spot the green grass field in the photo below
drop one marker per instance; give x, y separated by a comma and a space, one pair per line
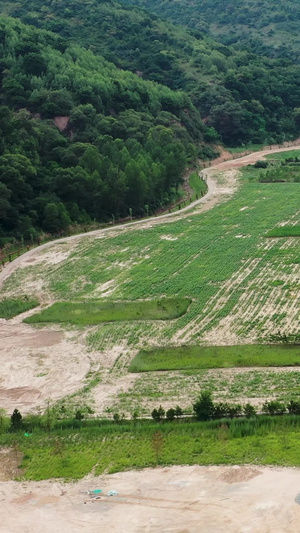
11, 307
198, 357
284, 231
97, 311
72, 454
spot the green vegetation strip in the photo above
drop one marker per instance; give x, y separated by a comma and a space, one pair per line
198, 185
96, 311
284, 231
283, 156
194, 357
73, 453
11, 307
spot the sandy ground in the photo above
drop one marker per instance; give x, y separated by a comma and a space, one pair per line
178, 499
38, 365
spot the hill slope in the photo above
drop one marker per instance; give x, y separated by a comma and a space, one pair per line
243, 96
262, 27
125, 144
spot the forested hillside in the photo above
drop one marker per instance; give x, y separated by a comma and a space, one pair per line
243, 96
125, 144
264, 27
125, 140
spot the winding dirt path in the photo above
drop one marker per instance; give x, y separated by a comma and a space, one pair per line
213, 192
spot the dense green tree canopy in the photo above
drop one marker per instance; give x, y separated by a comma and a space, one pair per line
125, 141
267, 27
243, 96
102, 114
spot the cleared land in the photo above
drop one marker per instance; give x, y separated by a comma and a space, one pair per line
243, 287
97, 311
194, 357
237, 499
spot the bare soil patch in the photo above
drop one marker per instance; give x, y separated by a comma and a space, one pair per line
37, 365
9, 464
238, 474
14, 336
176, 499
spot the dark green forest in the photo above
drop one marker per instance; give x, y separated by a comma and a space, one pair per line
142, 100
245, 97
126, 144
263, 27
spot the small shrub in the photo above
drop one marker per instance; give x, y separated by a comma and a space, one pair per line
293, 407
178, 411
158, 414
170, 414
204, 407
273, 407
16, 420
261, 164
249, 410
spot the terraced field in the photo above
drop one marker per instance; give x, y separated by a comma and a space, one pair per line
243, 285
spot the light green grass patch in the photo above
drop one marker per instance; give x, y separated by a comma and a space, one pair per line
96, 311
247, 147
194, 357
282, 156
11, 307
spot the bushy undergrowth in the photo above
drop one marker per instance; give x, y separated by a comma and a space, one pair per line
111, 447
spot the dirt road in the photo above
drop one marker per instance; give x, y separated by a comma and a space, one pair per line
213, 191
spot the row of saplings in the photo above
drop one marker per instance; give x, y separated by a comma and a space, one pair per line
205, 409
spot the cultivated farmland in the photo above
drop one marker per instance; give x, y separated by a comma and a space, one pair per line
243, 286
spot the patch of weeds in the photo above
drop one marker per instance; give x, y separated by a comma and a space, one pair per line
11, 307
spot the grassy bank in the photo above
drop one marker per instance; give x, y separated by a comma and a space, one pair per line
200, 357
73, 453
198, 186
97, 311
